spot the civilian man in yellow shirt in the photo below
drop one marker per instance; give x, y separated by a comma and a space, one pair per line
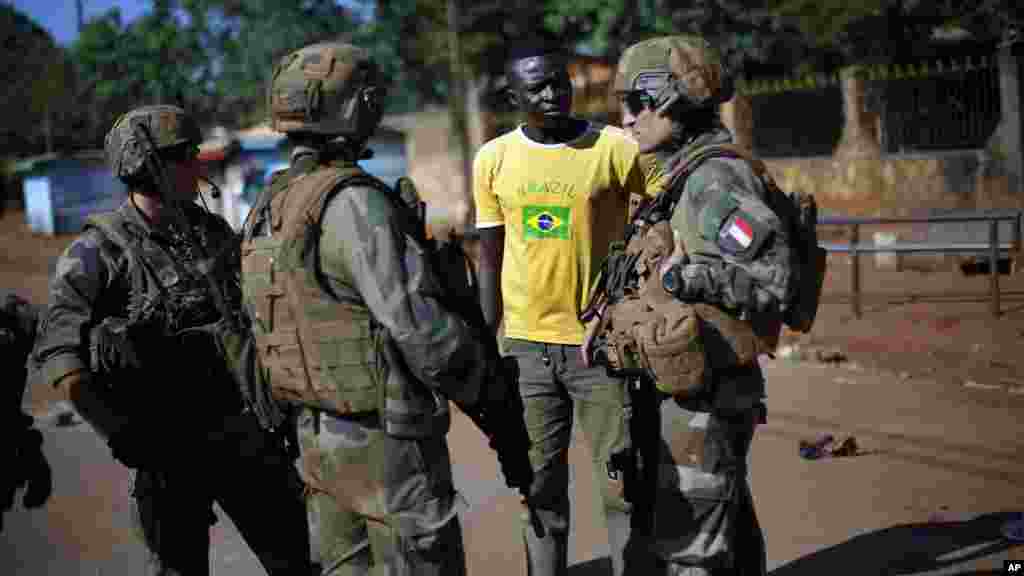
550, 198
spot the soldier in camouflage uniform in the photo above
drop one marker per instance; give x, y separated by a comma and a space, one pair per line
128, 336
736, 259
25, 464
350, 328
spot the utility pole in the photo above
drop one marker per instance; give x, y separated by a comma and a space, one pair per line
457, 97
79, 14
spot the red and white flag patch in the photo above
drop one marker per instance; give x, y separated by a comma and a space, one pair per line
736, 235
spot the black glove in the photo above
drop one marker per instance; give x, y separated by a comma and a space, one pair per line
114, 346
687, 282
28, 469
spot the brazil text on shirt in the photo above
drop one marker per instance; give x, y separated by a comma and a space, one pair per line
551, 187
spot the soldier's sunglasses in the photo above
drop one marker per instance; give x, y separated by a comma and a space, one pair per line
181, 153
637, 101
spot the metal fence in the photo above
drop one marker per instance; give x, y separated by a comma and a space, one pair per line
947, 109
951, 102
993, 248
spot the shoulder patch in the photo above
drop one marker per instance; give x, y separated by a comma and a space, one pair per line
736, 234
714, 213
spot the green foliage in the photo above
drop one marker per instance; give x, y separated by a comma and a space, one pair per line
38, 79
214, 56
826, 21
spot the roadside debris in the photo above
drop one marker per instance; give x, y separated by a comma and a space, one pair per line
830, 356
825, 446
791, 352
797, 353
980, 386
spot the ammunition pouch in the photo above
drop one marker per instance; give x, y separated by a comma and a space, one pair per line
643, 328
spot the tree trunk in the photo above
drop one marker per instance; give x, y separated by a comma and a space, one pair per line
860, 130
738, 117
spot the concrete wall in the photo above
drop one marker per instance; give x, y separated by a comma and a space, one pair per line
895, 185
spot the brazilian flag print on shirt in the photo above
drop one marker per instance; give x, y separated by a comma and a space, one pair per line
542, 222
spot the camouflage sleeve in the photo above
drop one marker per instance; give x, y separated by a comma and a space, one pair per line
363, 241
727, 206
83, 273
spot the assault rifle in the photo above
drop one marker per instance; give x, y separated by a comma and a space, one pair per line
500, 421
231, 335
639, 462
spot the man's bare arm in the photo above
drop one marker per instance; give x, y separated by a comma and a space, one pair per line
492, 249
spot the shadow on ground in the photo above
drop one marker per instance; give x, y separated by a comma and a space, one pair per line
596, 567
909, 549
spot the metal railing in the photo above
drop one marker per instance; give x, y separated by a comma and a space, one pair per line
993, 247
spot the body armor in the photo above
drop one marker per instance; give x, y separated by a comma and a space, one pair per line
320, 346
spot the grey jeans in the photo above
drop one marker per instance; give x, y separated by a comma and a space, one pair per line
557, 389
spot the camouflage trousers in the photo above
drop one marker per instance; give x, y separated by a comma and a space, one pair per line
379, 505
249, 475
557, 388
704, 519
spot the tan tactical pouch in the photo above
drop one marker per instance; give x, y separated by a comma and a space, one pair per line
650, 329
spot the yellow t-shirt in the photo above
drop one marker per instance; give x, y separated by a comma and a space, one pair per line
561, 205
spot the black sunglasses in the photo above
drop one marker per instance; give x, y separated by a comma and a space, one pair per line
637, 101
181, 153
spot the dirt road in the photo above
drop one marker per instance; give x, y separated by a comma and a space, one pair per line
939, 475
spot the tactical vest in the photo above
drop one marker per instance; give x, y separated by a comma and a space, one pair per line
155, 272
320, 347
643, 330
685, 348
173, 298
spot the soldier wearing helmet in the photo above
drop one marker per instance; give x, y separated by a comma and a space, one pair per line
130, 336
352, 333
731, 253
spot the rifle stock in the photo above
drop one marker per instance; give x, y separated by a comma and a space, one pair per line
639, 462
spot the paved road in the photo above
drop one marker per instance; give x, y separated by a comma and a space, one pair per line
943, 469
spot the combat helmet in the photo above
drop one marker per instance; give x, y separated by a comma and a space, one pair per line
681, 72
144, 131
319, 90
